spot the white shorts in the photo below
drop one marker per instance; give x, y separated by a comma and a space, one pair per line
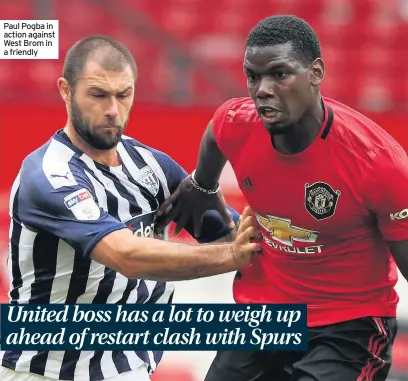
6, 374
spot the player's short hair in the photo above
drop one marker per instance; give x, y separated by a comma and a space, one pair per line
113, 56
281, 29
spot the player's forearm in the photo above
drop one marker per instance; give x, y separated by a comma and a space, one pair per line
148, 258
153, 259
211, 160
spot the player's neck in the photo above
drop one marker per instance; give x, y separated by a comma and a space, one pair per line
104, 157
302, 134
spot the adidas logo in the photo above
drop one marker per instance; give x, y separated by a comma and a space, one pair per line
247, 184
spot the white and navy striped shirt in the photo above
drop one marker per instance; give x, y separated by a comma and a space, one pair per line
62, 203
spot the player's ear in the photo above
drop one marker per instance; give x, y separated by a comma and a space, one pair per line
317, 72
64, 89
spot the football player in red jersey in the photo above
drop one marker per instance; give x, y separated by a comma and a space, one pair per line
328, 187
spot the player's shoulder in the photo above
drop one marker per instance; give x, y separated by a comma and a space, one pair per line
52, 164
141, 148
144, 151
357, 133
155, 161
135, 145
238, 110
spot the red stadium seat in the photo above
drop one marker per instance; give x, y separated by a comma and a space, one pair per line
356, 36
13, 10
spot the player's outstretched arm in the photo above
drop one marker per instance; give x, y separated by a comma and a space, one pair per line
148, 258
197, 193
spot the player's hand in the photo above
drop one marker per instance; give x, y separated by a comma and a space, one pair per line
246, 243
189, 204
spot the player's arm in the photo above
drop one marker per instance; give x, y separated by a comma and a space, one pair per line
387, 197
214, 228
196, 193
148, 258
191, 199
72, 214
211, 160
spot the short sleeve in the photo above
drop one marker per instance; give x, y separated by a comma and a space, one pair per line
387, 193
69, 212
213, 227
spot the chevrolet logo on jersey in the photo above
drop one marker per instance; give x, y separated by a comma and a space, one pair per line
281, 230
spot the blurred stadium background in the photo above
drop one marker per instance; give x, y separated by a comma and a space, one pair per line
189, 54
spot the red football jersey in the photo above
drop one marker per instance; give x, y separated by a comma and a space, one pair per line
325, 213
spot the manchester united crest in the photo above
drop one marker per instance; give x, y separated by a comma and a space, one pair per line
321, 200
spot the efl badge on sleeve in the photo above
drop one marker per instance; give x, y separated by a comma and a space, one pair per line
82, 205
321, 200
